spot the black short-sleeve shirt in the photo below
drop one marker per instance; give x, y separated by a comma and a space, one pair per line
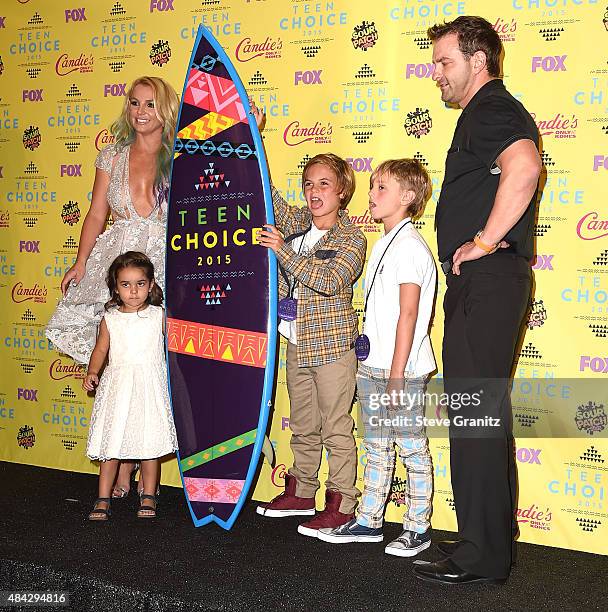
489, 123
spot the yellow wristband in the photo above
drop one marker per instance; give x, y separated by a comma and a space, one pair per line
488, 248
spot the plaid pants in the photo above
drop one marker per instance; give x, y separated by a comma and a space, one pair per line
384, 428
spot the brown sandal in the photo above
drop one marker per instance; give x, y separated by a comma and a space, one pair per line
146, 512
100, 514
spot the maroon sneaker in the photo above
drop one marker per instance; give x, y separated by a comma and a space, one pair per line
287, 503
331, 517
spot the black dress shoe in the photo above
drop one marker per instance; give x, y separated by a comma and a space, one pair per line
447, 572
448, 547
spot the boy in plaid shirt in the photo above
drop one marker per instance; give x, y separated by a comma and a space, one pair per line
320, 258
400, 291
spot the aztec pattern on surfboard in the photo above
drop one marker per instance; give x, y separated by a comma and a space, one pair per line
221, 289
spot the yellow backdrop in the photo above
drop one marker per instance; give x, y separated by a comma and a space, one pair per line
352, 77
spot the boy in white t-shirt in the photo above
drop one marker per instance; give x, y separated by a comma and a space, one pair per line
400, 288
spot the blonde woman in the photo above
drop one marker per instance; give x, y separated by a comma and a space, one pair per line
131, 183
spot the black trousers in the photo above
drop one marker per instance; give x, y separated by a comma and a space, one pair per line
484, 311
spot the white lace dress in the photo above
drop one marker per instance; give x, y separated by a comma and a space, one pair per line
131, 416
73, 327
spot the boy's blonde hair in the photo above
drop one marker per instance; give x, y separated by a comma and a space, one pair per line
411, 175
343, 171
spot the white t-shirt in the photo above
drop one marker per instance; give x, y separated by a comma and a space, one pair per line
408, 260
302, 245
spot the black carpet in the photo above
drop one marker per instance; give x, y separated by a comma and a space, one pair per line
46, 543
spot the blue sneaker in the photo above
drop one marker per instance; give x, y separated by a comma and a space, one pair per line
409, 544
350, 532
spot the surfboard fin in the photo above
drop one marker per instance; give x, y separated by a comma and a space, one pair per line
268, 451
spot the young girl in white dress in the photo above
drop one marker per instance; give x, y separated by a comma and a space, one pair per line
131, 415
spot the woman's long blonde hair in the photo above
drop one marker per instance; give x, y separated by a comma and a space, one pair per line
166, 106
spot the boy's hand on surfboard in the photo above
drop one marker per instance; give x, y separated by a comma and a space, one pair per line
270, 237
260, 117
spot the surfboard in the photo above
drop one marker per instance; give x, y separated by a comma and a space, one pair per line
220, 288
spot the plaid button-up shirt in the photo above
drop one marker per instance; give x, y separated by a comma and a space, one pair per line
326, 324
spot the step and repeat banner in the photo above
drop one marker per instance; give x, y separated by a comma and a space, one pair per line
354, 78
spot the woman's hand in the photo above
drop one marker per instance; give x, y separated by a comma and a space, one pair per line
75, 273
270, 237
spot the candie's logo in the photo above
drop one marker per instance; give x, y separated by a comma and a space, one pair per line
103, 139
59, 370
591, 227
366, 222
295, 134
535, 517
591, 417
247, 49
278, 476
21, 293
505, 29
559, 125
66, 65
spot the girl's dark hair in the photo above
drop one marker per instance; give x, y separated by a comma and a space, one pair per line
132, 259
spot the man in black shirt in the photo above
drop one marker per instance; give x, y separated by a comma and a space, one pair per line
485, 217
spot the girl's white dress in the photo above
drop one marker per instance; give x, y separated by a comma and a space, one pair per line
131, 416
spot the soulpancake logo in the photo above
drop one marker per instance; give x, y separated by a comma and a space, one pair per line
249, 49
